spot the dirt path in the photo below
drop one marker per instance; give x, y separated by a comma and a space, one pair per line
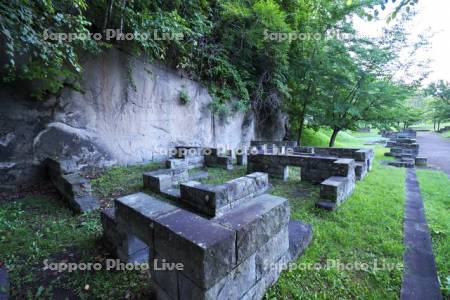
436, 148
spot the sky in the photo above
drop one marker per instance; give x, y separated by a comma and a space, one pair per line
432, 16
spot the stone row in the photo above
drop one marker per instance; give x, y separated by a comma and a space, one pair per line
336, 176
75, 189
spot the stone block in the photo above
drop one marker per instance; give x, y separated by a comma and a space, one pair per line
421, 161
157, 181
232, 286
77, 191
225, 162
214, 200
300, 235
271, 252
127, 247
176, 163
336, 189
255, 222
136, 214
205, 248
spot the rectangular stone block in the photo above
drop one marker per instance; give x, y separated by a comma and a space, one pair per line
271, 252
136, 214
255, 222
157, 181
206, 249
233, 286
214, 200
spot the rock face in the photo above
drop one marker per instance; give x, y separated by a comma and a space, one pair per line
113, 119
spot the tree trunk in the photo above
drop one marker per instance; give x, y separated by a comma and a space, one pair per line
439, 125
434, 125
333, 136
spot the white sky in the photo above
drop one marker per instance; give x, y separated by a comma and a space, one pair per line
432, 15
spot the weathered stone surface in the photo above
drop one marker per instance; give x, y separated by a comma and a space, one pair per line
167, 280
75, 189
136, 214
271, 252
127, 247
214, 200
336, 189
300, 235
232, 286
258, 291
206, 249
255, 222
4, 284
225, 162
164, 179
110, 121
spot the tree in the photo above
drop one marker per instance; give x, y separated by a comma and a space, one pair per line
440, 103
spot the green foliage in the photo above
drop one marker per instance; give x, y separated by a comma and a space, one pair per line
28, 55
184, 97
439, 106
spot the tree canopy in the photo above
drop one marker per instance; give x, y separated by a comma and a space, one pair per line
300, 56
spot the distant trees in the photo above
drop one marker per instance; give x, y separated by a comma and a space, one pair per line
439, 106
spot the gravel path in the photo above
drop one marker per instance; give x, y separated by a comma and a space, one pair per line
436, 148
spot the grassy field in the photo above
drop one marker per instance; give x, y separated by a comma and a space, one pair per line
435, 189
365, 232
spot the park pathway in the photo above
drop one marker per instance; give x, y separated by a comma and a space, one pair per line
420, 279
436, 148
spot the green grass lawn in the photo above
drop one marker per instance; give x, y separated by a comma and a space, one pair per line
366, 229
435, 189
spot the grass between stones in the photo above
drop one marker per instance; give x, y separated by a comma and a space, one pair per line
435, 189
367, 229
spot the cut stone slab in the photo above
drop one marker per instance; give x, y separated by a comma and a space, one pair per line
255, 222
136, 213
75, 189
4, 284
205, 248
300, 235
336, 189
240, 280
214, 200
